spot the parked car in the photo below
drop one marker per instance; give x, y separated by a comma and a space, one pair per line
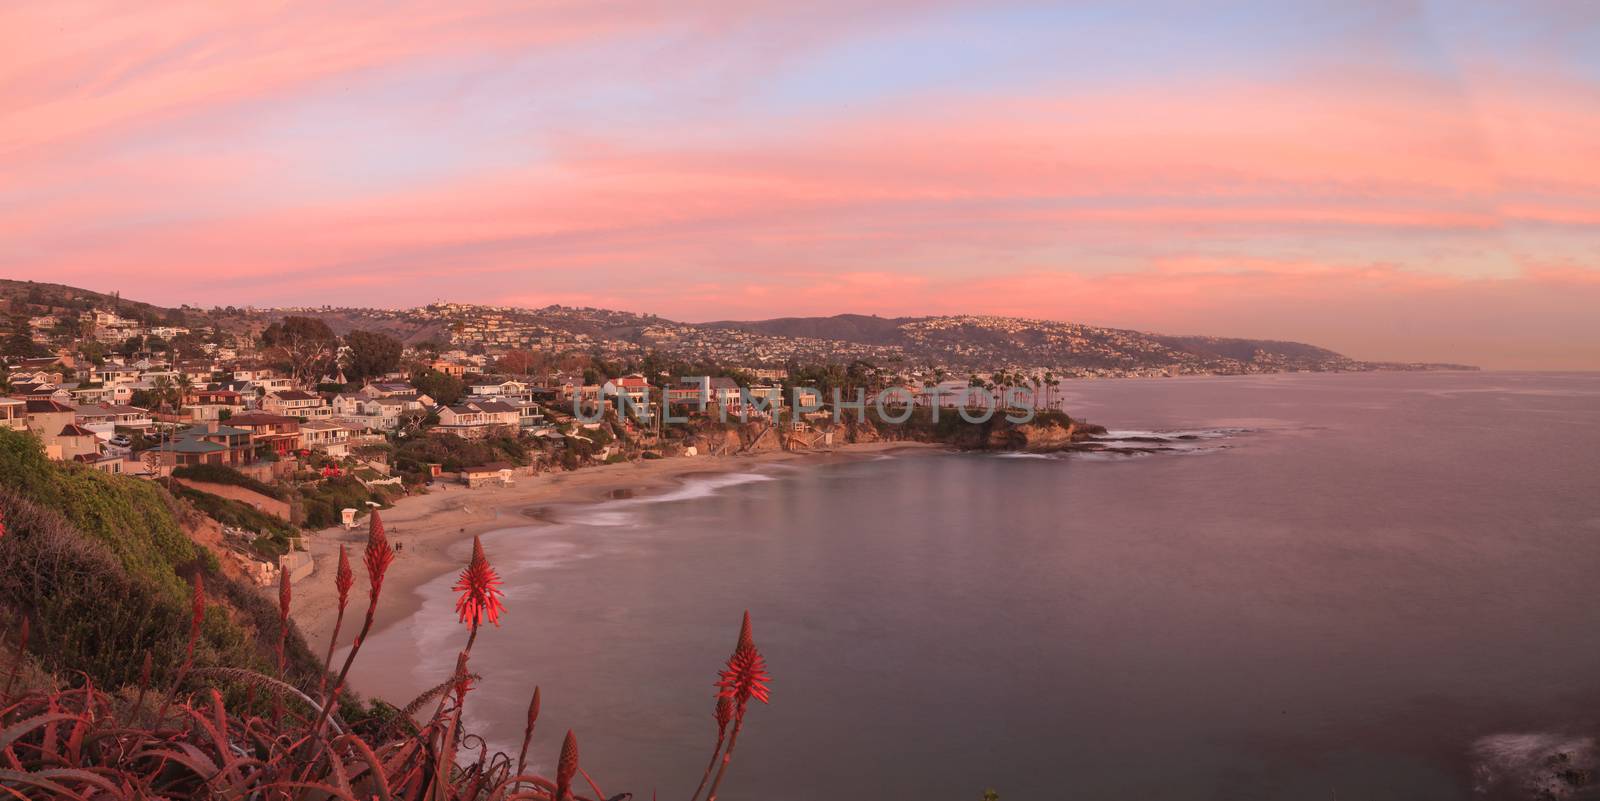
121, 441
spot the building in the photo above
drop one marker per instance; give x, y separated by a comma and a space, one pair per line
296, 403
491, 474
14, 414
326, 436
277, 433
474, 419
210, 443
106, 419
497, 389
449, 368
56, 425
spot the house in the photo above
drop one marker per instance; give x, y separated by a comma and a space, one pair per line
326, 436
529, 414
634, 386
702, 389
560, 388
497, 389
32, 391
253, 373
474, 419
449, 368
115, 374
56, 425
387, 389
105, 463
296, 403
209, 443
278, 433
131, 418
213, 396
493, 473
14, 414
106, 418
198, 372
102, 393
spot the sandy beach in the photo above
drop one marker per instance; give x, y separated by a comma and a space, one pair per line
425, 529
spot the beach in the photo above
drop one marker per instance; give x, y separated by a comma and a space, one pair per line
429, 531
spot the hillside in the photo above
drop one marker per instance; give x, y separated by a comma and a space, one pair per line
38, 298
953, 343
100, 567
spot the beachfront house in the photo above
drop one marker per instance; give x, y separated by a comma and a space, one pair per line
475, 419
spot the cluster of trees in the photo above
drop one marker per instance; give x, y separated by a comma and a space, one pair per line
309, 349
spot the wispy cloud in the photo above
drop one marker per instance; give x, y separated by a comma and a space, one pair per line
715, 159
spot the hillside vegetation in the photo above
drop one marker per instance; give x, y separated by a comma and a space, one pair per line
100, 567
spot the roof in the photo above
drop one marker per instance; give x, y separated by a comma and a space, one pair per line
319, 425
494, 406
259, 419
294, 394
190, 445
47, 406
75, 430
204, 431
491, 467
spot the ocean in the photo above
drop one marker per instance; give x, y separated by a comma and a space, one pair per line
1359, 586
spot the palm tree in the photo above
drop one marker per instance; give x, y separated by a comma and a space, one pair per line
162, 389
182, 386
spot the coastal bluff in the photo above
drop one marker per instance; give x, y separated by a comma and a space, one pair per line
1047, 432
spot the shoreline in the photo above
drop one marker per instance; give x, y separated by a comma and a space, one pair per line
427, 529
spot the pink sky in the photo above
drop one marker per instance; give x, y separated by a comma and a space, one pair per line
1413, 181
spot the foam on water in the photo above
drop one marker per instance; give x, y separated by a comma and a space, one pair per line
1541, 765
623, 512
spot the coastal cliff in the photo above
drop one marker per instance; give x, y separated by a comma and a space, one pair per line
1047, 432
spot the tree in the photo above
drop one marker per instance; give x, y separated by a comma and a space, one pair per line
20, 341
304, 344
445, 389
520, 362
185, 344
370, 354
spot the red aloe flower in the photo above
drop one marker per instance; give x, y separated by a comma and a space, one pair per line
527, 734
745, 639
378, 557
480, 590
345, 578
199, 614
724, 713
745, 677
567, 766
2, 522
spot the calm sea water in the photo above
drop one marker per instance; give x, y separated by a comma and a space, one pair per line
1381, 586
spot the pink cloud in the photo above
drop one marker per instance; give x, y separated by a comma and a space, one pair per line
1210, 204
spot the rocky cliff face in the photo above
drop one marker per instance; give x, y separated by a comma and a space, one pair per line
1043, 434
1046, 433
